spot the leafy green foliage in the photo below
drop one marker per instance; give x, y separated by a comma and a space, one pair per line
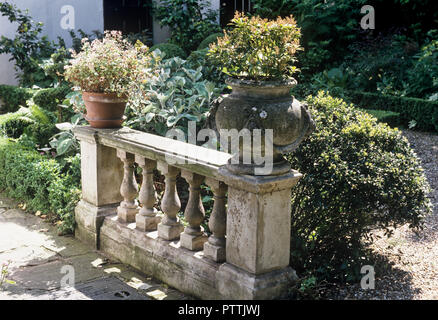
327, 26
170, 50
422, 79
358, 175
31, 177
65, 141
258, 49
176, 95
190, 21
13, 97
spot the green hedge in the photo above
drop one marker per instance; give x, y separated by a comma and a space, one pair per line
50, 98
424, 112
39, 181
12, 97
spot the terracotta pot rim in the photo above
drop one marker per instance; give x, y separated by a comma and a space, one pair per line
105, 94
261, 83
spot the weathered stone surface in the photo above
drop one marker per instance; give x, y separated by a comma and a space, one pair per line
257, 227
194, 158
213, 252
258, 230
101, 171
89, 219
167, 261
192, 242
235, 283
146, 223
170, 232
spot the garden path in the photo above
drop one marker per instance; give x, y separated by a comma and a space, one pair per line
39, 258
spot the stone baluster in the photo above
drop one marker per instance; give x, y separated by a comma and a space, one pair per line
128, 208
169, 228
214, 249
193, 237
146, 219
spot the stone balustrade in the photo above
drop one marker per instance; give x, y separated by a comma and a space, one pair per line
247, 253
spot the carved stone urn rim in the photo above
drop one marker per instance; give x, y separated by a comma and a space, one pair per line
237, 82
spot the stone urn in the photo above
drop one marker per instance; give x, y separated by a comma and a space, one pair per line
268, 108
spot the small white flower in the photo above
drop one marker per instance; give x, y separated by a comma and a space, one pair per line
254, 109
263, 114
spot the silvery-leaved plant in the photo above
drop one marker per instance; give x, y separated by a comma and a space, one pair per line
174, 95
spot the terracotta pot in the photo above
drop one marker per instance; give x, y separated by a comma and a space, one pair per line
104, 110
264, 105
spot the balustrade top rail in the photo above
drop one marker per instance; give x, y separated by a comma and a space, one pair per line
187, 156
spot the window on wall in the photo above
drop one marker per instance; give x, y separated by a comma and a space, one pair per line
229, 7
128, 15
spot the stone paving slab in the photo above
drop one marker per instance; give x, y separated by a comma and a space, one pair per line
37, 256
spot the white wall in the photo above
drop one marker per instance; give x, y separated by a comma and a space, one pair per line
58, 16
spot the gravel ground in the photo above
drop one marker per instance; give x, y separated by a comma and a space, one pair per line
407, 266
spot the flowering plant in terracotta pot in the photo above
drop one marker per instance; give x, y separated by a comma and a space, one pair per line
107, 71
259, 57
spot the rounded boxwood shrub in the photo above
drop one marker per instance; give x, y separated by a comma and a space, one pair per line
210, 39
357, 175
50, 98
169, 49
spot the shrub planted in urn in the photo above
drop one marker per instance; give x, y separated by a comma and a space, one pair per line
106, 71
259, 55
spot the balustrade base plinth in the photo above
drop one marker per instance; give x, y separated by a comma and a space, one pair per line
146, 223
214, 253
235, 283
169, 233
190, 273
89, 219
193, 242
127, 215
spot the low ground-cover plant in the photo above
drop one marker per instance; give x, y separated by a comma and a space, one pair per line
258, 49
41, 182
358, 175
4, 272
